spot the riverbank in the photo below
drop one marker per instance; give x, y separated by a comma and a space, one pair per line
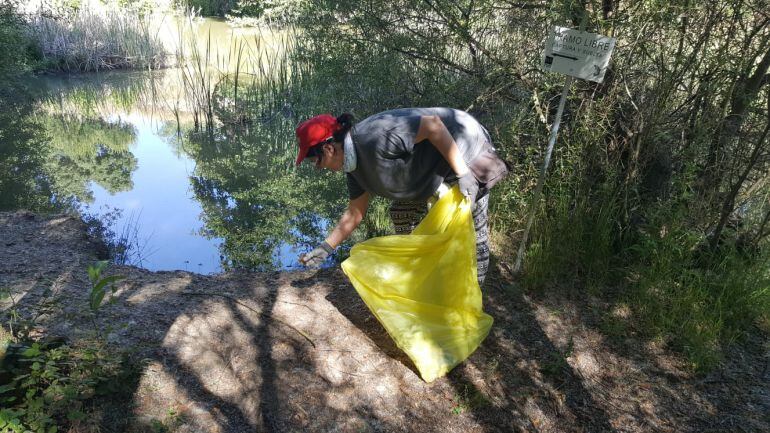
299, 351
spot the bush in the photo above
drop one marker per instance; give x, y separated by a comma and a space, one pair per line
696, 299
17, 49
47, 386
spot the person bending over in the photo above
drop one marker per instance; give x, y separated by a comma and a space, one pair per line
407, 155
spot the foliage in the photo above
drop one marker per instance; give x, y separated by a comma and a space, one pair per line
692, 297
270, 12
209, 8
16, 48
49, 384
275, 12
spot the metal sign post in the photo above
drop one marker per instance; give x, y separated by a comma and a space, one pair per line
577, 54
543, 171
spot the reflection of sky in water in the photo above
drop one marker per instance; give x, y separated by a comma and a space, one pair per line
162, 205
163, 209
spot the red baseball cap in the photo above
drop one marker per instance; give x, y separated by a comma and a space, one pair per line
313, 131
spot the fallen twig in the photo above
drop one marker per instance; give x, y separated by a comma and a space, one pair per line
253, 310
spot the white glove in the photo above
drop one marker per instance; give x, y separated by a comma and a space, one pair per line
317, 256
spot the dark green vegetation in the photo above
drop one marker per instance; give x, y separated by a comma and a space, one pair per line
22, 149
45, 384
276, 12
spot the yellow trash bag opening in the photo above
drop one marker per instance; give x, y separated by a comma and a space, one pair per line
423, 287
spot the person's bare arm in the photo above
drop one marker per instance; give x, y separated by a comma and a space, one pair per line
349, 220
432, 128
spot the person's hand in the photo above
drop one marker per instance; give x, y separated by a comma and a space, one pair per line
469, 186
317, 256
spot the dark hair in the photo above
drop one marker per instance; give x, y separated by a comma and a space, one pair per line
345, 121
315, 150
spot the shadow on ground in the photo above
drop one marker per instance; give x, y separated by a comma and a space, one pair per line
283, 352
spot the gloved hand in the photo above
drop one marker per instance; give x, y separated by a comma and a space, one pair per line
469, 186
317, 256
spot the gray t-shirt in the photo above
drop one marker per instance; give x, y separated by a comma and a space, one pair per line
390, 164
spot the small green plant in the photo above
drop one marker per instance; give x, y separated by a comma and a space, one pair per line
20, 325
468, 398
99, 287
48, 386
99, 284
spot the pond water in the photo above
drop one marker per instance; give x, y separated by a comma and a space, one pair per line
159, 212
190, 170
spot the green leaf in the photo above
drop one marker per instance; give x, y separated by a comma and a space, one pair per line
6, 388
107, 280
93, 274
33, 351
96, 299
95, 270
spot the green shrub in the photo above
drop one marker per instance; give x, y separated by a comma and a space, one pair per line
573, 241
47, 387
697, 300
17, 49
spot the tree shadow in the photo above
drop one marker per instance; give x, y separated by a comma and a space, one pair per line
233, 361
345, 299
540, 390
515, 345
189, 346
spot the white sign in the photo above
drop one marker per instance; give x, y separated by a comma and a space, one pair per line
579, 54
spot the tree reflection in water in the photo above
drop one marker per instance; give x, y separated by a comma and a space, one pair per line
254, 198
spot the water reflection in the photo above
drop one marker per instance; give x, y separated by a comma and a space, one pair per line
253, 198
89, 150
198, 159
24, 181
200, 199
160, 204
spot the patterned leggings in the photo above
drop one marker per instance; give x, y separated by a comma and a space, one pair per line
407, 214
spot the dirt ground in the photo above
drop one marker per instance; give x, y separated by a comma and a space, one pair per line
300, 352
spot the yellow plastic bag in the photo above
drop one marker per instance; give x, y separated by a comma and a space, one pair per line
423, 287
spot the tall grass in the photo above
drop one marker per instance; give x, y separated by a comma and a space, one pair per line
695, 299
573, 242
93, 41
678, 291
253, 81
